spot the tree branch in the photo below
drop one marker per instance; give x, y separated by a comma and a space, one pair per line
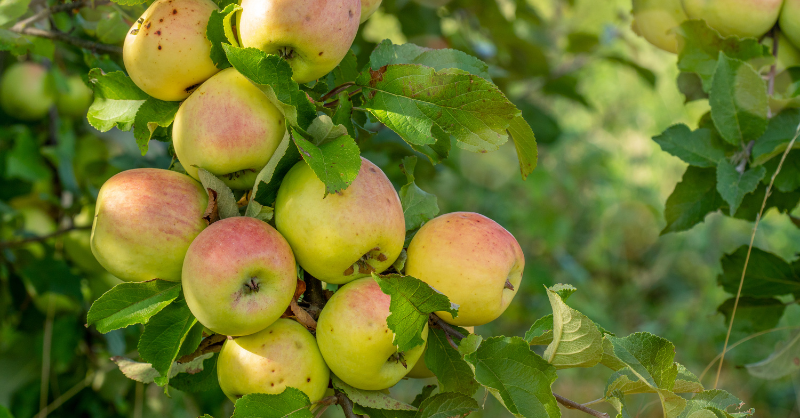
347, 405
574, 405
314, 295
63, 37
56, 9
9, 244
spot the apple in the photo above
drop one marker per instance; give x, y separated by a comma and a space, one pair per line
26, 91
790, 21
313, 35
229, 127
421, 370
78, 243
655, 19
283, 355
472, 260
76, 100
239, 276
368, 7
166, 52
742, 18
346, 235
355, 341
144, 221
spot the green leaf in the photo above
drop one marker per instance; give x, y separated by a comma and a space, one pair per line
628, 383
564, 291
375, 399
18, 44
576, 340
216, 33
753, 314
525, 144
412, 301
343, 113
131, 303
715, 398
445, 405
733, 185
767, 274
254, 208
323, 130
129, 2
645, 74
226, 203
782, 202
738, 100
152, 114
541, 332
693, 198
112, 29
516, 376
198, 380
691, 86
145, 373
24, 160
453, 373
439, 150
11, 10
788, 179
266, 192
291, 403
335, 163
411, 99
163, 336
382, 413
426, 393
116, 100
610, 359
780, 131
4, 412
387, 53
40, 272
649, 357
699, 148
419, 206
346, 71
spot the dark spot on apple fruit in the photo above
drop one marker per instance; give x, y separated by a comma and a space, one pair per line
159, 47
174, 11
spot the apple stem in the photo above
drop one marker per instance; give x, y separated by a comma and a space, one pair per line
508, 285
447, 328
336, 90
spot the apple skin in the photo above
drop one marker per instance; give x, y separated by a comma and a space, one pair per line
313, 35
283, 355
169, 56
26, 91
239, 276
329, 235
790, 21
468, 257
144, 221
742, 18
74, 102
421, 370
355, 341
368, 7
228, 127
654, 19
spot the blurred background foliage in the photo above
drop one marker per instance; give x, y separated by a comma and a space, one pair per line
590, 214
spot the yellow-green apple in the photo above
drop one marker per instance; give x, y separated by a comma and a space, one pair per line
26, 91
788, 54
790, 21
472, 260
355, 341
742, 18
283, 355
78, 243
421, 370
368, 7
228, 127
166, 52
312, 35
74, 102
239, 276
144, 221
655, 20
342, 236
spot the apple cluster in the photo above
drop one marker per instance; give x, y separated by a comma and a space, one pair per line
239, 274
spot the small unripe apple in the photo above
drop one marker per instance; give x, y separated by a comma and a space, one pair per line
742, 18
283, 355
166, 52
342, 236
239, 276
229, 127
76, 100
472, 260
421, 370
368, 7
355, 341
144, 221
313, 35
790, 21
655, 20
26, 91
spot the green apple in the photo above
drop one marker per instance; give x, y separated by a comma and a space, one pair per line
790, 21
788, 54
26, 91
283, 355
368, 7
342, 236
239, 276
355, 341
742, 18
421, 370
313, 35
472, 260
76, 100
166, 52
144, 221
229, 127
78, 243
655, 20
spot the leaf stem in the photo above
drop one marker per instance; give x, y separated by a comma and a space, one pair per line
574, 405
63, 37
347, 405
448, 329
8, 244
336, 90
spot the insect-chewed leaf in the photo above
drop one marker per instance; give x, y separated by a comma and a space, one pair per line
387, 53
374, 399
131, 303
336, 163
291, 403
163, 337
116, 100
419, 206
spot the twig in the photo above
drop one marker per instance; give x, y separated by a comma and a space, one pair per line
8, 244
56, 9
574, 405
336, 90
314, 295
47, 345
63, 37
750, 250
448, 329
347, 405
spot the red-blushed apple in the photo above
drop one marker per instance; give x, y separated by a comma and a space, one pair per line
355, 341
228, 127
144, 221
313, 35
282, 355
421, 370
342, 236
655, 20
26, 91
166, 52
742, 18
472, 260
239, 276
368, 7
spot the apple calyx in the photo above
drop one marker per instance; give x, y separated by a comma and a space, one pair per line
139, 23
398, 358
362, 264
508, 285
286, 52
251, 286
